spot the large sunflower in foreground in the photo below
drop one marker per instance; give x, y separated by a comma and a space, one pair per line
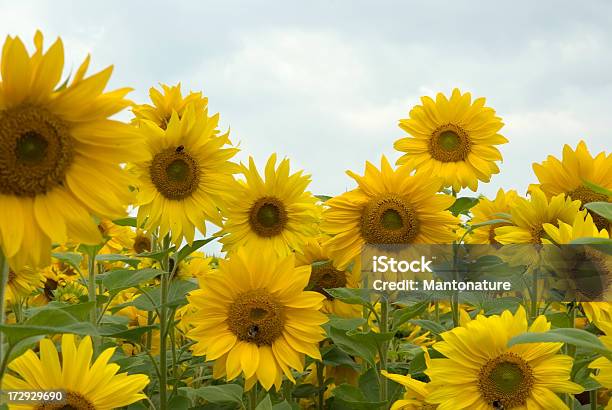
165, 104
481, 372
253, 317
60, 154
569, 175
185, 180
277, 212
388, 207
529, 216
88, 386
487, 210
326, 275
453, 138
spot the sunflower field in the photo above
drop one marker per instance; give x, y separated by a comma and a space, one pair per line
112, 296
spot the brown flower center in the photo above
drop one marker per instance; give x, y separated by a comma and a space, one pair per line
36, 151
449, 143
389, 219
325, 276
175, 173
71, 401
142, 243
268, 216
506, 381
256, 317
586, 195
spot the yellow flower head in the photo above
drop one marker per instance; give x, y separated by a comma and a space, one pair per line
487, 210
603, 364
165, 104
568, 176
480, 370
453, 138
276, 212
253, 317
388, 207
22, 283
415, 394
184, 182
60, 154
86, 385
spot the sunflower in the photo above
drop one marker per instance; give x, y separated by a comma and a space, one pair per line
388, 207
142, 242
415, 394
60, 154
276, 212
454, 139
117, 237
487, 210
326, 275
21, 283
529, 217
185, 179
569, 175
165, 104
603, 365
253, 317
591, 261
480, 371
89, 386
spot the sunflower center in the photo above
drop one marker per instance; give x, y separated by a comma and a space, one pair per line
268, 216
586, 195
589, 270
142, 244
175, 173
36, 151
11, 276
325, 276
72, 401
389, 219
449, 143
256, 317
506, 380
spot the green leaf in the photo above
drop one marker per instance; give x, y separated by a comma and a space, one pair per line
430, 325
114, 257
73, 259
401, 316
345, 323
597, 188
601, 208
116, 280
45, 322
225, 393
490, 222
23, 346
324, 198
462, 205
79, 310
336, 357
179, 403
176, 295
129, 221
607, 243
189, 249
305, 390
265, 404
576, 337
352, 296
355, 345
354, 397
132, 335
283, 405
157, 255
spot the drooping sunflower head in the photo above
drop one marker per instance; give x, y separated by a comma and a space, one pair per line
87, 385
56, 143
326, 275
530, 215
276, 212
142, 242
480, 370
184, 182
164, 104
569, 175
487, 210
253, 316
454, 138
22, 282
388, 207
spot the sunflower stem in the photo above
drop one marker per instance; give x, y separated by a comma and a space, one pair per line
163, 326
321, 384
534, 295
455, 295
253, 397
593, 399
4, 273
91, 292
384, 328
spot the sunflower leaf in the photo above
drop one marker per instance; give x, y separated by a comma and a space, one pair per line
576, 337
224, 393
597, 188
189, 249
119, 279
463, 205
354, 397
129, 221
601, 208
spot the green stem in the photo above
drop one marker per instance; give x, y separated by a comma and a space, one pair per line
593, 399
534, 295
91, 292
455, 295
4, 273
321, 385
384, 328
253, 397
163, 326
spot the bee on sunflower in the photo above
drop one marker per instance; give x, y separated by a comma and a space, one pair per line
454, 138
253, 317
56, 144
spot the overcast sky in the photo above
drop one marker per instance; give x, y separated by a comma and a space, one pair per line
325, 82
